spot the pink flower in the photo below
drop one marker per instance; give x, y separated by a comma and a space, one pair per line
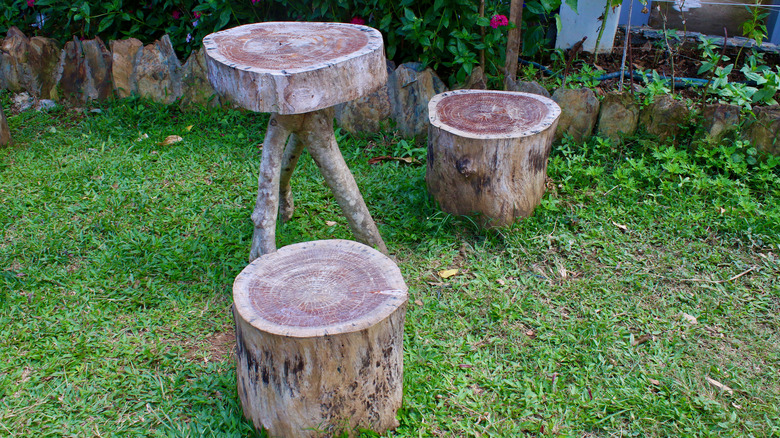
499, 20
176, 15
255, 1
358, 20
196, 14
31, 3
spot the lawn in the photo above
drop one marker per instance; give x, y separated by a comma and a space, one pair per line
640, 299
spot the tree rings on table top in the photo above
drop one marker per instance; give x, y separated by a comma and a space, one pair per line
295, 67
492, 114
318, 288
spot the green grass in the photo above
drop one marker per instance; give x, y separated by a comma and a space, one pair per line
118, 255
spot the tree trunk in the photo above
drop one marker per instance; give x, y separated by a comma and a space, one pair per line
487, 152
514, 41
5, 133
319, 333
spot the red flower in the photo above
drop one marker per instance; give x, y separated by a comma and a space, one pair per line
358, 20
176, 15
499, 20
196, 14
31, 3
255, 1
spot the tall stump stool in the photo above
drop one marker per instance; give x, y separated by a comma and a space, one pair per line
298, 71
319, 334
487, 152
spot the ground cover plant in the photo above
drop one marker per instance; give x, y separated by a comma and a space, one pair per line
640, 299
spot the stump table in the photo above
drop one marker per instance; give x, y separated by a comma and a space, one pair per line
298, 71
319, 334
487, 152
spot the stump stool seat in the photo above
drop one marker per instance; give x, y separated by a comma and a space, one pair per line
487, 152
319, 334
298, 71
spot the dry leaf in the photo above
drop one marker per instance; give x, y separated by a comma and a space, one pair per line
142, 137
418, 302
435, 283
622, 227
736, 405
330, 223
447, 273
169, 140
501, 282
465, 366
641, 340
188, 128
718, 385
722, 210
654, 382
690, 318
530, 333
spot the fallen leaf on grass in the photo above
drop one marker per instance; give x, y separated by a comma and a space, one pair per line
530, 333
408, 160
447, 273
654, 382
169, 140
501, 282
641, 340
718, 385
418, 302
622, 227
690, 318
330, 223
465, 366
188, 128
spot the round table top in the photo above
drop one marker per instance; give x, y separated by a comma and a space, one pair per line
295, 67
318, 288
492, 114
290, 47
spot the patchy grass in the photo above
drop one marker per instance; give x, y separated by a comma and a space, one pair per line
648, 272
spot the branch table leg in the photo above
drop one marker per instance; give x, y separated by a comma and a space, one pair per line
267, 204
317, 132
292, 152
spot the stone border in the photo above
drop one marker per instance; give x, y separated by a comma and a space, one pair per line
88, 70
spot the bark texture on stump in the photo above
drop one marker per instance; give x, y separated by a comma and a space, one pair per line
319, 333
487, 152
295, 67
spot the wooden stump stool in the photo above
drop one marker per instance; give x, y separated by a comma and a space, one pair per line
487, 152
319, 334
298, 71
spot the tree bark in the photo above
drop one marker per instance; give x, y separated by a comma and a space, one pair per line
319, 334
5, 133
487, 153
292, 152
513, 42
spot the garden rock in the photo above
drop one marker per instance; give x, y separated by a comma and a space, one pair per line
196, 88
159, 72
22, 102
664, 117
764, 133
532, 87
476, 80
5, 134
720, 119
366, 113
43, 60
124, 56
411, 86
618, 116
579, 111
14, 72
45, 105
86, 71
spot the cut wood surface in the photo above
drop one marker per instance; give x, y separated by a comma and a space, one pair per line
295, 67
319, 333
487, 152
